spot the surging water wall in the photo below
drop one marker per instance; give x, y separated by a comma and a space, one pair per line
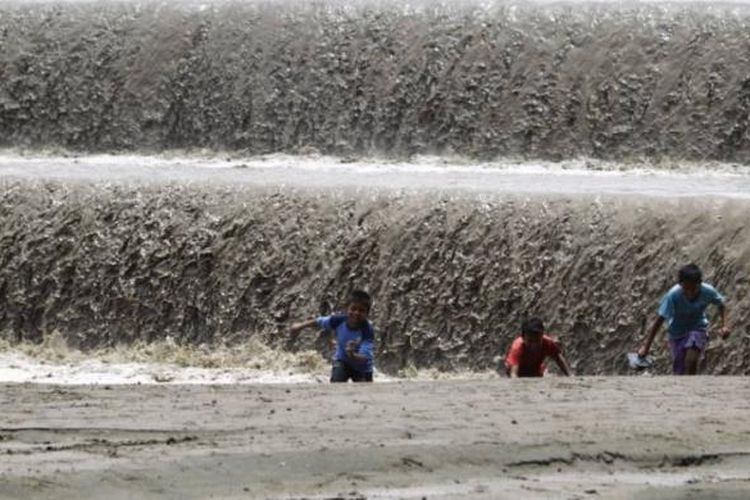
479, 79
452, 275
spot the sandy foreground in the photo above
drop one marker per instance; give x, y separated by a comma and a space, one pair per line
615, 437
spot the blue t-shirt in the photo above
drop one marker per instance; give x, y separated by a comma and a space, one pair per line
685, 316
364, 336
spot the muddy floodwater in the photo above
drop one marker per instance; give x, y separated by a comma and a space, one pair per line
113, 251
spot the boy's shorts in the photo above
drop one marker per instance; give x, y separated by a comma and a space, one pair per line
342, 373
696, 339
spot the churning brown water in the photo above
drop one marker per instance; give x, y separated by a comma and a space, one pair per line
544, 80
453, 271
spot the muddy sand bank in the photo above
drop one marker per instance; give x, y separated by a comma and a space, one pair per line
636, 437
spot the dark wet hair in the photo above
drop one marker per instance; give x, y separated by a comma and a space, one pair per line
532, 326
360, 297
690, 273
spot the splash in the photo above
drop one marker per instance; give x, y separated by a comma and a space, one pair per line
164, 361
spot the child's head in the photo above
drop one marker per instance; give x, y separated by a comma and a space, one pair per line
690, 277
532, 331
358, 307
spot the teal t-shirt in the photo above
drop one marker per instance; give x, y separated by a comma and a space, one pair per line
683, 315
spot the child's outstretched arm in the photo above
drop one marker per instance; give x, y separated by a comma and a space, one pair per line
563, 364
298, 327
646, 347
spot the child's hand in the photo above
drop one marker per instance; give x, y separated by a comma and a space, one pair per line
351, 348
295, 329
725, 331
643, 351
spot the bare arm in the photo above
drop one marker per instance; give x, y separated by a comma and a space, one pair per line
646, 347
298, 327
724, 328
563, 364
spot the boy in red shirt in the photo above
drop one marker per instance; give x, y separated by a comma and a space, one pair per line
527, 353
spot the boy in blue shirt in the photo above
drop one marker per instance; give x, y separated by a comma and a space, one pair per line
355, 339
684, 309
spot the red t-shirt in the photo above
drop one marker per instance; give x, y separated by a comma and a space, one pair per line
530, 362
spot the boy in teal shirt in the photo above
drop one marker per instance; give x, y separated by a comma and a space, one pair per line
684, 309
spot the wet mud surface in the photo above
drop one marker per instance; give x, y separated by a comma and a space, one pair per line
567, 438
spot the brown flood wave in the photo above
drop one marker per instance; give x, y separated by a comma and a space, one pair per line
452, 274
492, 79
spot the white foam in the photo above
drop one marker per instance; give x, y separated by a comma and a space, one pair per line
422, 173
17, 367
74, 368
